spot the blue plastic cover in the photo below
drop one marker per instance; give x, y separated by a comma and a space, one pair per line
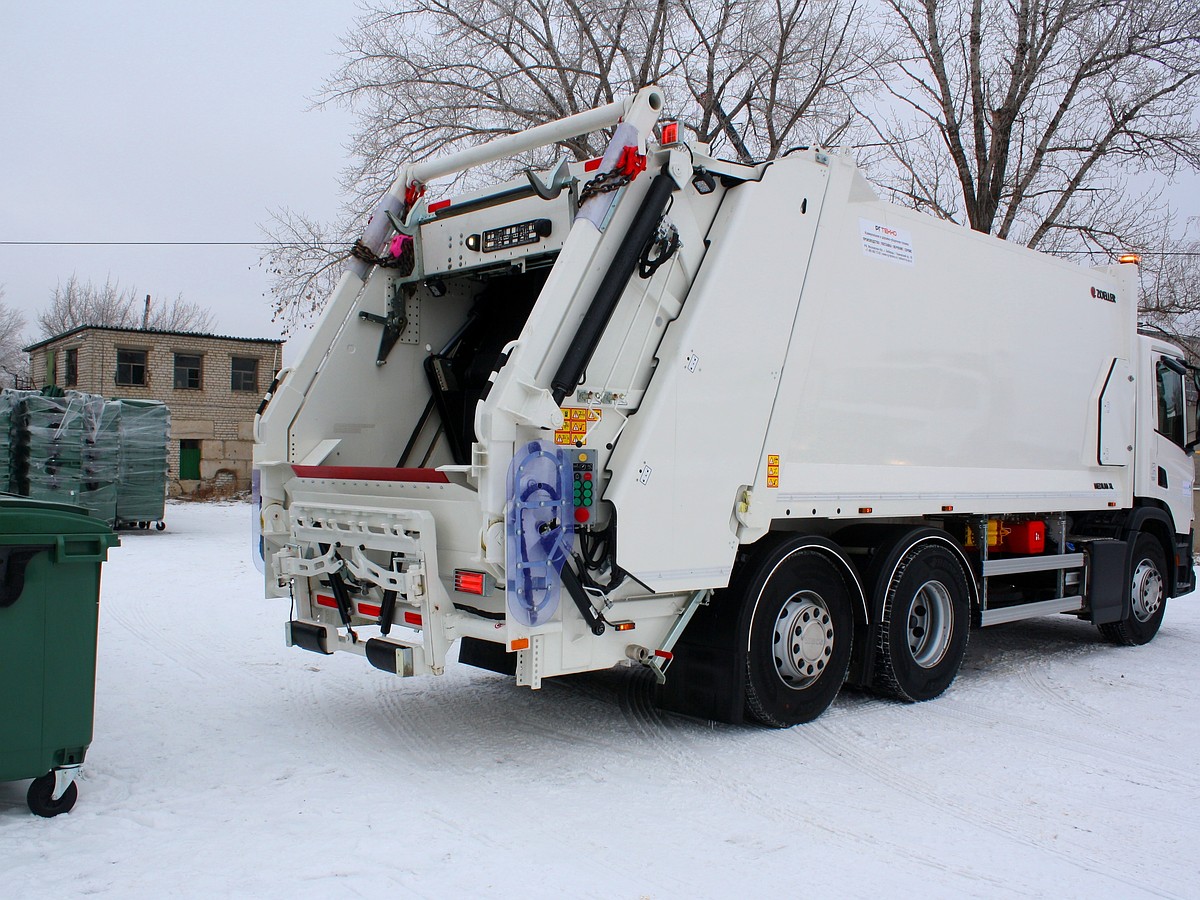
540, 530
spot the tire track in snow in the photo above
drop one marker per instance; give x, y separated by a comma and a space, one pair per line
823, 737
1121, 763
155, 637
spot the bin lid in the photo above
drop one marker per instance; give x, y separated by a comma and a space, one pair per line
21, 518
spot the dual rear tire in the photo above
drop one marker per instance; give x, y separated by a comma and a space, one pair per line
799, 632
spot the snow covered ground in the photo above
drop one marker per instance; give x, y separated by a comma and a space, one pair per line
225, 764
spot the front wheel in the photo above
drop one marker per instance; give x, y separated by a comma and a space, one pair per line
800, 629
1148, 586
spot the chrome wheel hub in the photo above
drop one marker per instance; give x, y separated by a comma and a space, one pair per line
803, 641
1147, 590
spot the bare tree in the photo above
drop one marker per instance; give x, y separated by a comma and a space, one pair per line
1170, 301
12, 337
1027, 118
82, 303
429, 76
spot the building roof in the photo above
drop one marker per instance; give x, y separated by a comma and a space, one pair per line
191, 334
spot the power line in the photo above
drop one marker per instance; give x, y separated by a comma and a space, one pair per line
1157, 253
166, 243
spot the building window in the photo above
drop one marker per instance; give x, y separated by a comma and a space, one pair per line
72, 378
131, 367
244, 374
187, 371
189, 460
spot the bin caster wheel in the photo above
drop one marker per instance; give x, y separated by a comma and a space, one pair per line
41, 793
160, 526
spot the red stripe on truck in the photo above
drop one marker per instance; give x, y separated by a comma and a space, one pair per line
371, 473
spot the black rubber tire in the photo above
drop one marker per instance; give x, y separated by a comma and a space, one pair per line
40, 796
1134, 631
160, 526
791, 569
908, 614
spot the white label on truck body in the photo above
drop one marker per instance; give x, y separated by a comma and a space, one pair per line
885, 242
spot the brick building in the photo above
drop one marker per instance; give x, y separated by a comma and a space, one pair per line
211, 383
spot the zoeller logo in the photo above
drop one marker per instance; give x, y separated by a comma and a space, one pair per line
1104, 295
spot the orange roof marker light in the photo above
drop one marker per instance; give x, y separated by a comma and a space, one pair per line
1130, 259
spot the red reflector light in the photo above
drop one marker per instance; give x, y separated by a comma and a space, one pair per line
947, 509
370, 609
592, 164
322, 600
441, 204
664, 654
412, 618
467, 582
670, 132
865, 510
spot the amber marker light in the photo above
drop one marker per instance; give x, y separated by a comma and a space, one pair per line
1130, 259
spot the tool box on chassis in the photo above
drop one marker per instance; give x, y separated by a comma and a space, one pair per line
746, 425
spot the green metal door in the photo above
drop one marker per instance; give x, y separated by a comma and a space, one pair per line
189, 460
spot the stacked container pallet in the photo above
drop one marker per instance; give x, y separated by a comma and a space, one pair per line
101, 457
144, 426
48, 447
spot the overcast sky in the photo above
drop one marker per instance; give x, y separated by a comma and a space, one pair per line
132, 120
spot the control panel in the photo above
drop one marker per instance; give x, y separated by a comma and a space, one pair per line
510, 236
489, 233
583, 464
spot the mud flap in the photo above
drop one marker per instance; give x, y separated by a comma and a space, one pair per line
706, 678
1108, 589
487, 655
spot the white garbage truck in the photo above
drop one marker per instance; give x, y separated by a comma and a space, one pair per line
746, 425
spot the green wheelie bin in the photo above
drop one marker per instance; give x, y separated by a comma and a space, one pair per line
50, 558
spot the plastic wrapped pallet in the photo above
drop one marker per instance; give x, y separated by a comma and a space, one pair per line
9, 402
144, 427
48, 447
101, 456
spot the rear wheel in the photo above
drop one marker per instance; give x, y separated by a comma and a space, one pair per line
925, 623
1148, 586
800, 632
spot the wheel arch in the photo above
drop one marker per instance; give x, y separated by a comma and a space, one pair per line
841, 560
1150, 518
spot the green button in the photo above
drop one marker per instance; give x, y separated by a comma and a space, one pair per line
587, 501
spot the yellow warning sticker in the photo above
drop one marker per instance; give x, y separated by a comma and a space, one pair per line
576, 422
773, 470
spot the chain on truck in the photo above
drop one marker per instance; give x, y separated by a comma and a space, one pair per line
745, 425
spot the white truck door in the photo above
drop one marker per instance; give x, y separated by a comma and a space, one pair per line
1166, 472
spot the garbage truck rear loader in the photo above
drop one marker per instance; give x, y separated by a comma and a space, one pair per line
745, 425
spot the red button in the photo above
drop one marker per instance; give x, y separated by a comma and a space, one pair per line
581, 514
587, 476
